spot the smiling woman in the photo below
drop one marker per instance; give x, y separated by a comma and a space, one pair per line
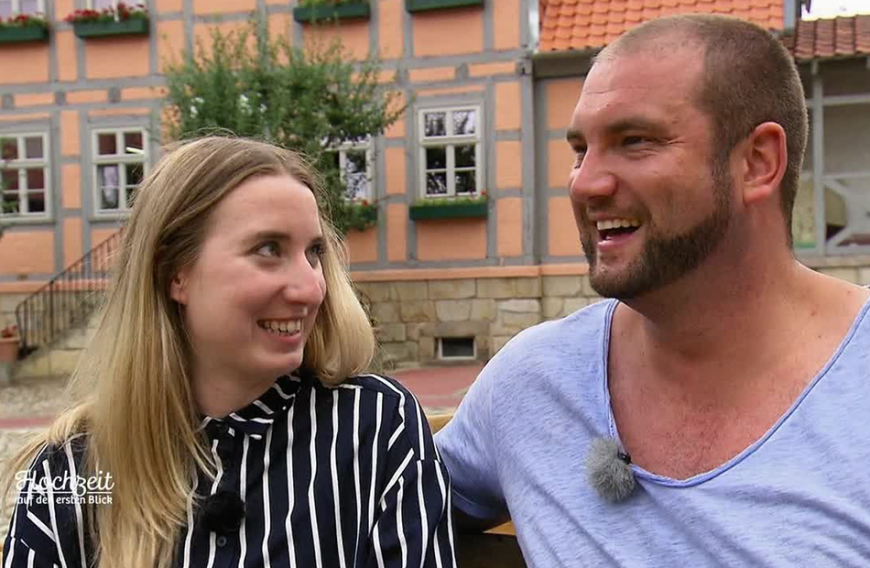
222, 394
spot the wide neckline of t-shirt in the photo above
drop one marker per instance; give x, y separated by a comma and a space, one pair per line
641, 473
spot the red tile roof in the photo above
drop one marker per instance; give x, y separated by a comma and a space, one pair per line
836, 37
585, 24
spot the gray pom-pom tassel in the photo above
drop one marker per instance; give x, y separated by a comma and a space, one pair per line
608, 466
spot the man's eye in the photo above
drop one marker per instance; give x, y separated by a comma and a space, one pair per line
633, 140
579, 154
270, 249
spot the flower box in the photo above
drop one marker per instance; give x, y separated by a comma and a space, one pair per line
448, 210
426, 5
133, 26
23, 34
343, 11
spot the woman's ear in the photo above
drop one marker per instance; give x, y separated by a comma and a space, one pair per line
178, 288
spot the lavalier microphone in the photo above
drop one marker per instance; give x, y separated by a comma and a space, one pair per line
608, 467
222, 512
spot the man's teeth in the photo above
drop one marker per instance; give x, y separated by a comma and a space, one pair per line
617, 224
281, 326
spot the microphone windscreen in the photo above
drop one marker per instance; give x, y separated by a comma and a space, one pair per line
222, 512
609, 470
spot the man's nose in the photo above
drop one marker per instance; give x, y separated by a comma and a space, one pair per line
592, 178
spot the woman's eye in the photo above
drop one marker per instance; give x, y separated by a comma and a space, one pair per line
269, 249
315, 254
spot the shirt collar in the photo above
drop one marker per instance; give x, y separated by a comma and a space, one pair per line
256, 418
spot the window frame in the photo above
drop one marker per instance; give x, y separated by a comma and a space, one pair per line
16, 8
89, 4
97, 160
22, 165
449, 142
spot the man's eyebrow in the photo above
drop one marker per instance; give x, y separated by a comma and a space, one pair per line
633, 123
575, 136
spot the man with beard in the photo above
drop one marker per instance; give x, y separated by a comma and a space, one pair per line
713, 411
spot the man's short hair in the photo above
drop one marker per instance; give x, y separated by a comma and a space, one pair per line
749, 78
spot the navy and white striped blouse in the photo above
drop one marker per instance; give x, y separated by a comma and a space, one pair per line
330, 477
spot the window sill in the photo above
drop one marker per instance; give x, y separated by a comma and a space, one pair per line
133, 26
345, 11
423, 212
26, 34
427, 5
28, 220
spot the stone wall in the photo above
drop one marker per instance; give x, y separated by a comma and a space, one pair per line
411, 316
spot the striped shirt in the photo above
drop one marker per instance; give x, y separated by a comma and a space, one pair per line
338, 477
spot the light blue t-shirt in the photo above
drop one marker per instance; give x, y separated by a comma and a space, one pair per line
799, 496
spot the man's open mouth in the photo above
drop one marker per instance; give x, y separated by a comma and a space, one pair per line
613, 228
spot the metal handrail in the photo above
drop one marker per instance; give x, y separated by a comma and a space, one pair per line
67, 300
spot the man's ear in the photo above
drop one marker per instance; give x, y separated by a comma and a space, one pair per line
178, 288
764, 161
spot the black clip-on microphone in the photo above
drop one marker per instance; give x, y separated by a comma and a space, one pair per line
222, 512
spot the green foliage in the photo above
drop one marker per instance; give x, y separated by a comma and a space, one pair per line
448, 201
310, 101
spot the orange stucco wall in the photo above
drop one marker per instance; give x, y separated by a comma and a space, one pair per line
170, 5
510, 226
390, 34
397, 240
354, 37
29, 61
562, 96
508, 106
509, 164
394, 158
562, 239
23, 252
170, 43
362, 245
561, 157
224, 6
34, 99
125, 56
506, 20
464, 28
70, 176
72, 240
69, 133
451, 239
67, 62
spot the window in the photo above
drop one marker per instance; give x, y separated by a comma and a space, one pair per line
354, 162
24, 175
456, 348
450, 152
10, 8
104, 4
120, 159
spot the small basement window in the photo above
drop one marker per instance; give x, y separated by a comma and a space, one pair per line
456, 348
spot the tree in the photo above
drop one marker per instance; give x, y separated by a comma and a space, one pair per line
309, 100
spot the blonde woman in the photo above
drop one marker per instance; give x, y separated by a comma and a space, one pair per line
222, 412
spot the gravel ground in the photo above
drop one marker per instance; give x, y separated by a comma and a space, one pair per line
33, 399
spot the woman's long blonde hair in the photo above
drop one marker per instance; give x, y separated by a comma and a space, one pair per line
132, 390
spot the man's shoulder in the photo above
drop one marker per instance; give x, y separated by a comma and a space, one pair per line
581, 330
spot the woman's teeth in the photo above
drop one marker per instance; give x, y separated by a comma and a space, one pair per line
283, 327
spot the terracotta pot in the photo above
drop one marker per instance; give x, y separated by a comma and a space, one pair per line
9, 349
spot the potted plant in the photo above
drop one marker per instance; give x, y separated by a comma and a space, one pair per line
426, 5
9, 344
450, 207
23, 28
123, 20
313, 10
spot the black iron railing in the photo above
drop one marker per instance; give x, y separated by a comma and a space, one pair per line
68, 299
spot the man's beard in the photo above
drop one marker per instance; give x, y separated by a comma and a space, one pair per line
665, 259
